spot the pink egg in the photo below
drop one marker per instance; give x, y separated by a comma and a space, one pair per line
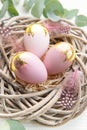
36, 39
28, 68
59, 58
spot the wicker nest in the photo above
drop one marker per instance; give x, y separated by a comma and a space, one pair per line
41, 102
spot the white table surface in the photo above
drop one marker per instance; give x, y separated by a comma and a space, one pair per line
79, 123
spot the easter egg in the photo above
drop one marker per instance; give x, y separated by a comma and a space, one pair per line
36, 39
59, 58
28, 68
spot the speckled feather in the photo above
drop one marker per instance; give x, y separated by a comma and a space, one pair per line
5, 32
56, 28
70, 90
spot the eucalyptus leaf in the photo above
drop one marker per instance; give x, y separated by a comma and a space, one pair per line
81, 20
12, 11
10, 2
66, 11
37, 9
46, 2
52, 16
15, 125
55, 6
3, 1
16, 1
45, 13
28, 4
4, 9
69, 14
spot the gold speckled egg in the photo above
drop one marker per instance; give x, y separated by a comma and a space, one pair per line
36, 39
59, 58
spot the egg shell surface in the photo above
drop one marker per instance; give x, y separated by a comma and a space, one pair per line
33, 69
56, 60
37, 40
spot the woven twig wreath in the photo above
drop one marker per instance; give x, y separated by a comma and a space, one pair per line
43, 104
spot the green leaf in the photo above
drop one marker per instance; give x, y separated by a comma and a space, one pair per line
46, 2
81, 20
3, 1
55, 6
52, 16
11, 125
15, 125
45, 13
10, 2
37, 9
28, 4
16, 1
69, 14
66, 11
4, 9
12, 11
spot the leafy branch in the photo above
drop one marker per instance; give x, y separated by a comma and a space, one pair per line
51, 9
12, 125
8, 6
